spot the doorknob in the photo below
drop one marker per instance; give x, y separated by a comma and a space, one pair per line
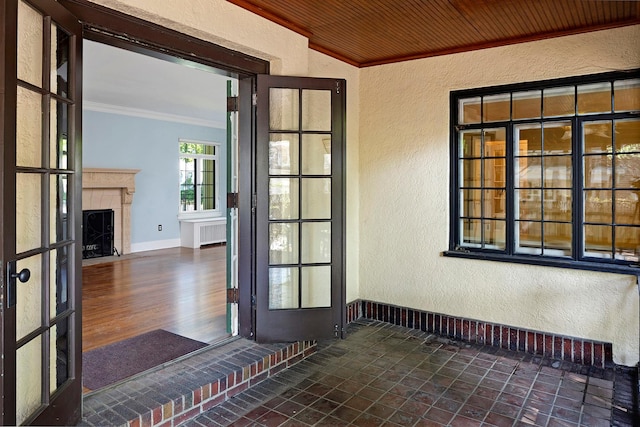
23, 276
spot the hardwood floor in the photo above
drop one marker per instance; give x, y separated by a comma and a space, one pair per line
180, 290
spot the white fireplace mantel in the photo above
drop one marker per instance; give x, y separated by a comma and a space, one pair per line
111, 189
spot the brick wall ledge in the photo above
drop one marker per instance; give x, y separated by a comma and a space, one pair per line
562, 348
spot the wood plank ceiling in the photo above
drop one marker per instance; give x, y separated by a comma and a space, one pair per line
373, 32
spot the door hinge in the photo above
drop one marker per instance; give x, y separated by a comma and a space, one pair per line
254, 202
253, 301
232, 200
232, 104
233, 296
254, 99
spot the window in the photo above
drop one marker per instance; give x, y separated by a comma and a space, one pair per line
548, 172
198, 176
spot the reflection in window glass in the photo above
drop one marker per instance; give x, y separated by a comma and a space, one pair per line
559, 185
559, 102
469, 110
496, 108
594, 98
626, 95
526, 105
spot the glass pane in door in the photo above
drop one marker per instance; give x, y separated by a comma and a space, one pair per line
28, 128
60, 48
283, 288
58, 148
28, 215
29, 297
284, 109
59, 213
316, 154
316, 198
30, 45
316, 287
316, 110
29, 374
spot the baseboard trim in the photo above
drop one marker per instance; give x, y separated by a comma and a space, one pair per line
154, 245
566, 348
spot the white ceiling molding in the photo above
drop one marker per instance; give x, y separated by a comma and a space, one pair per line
147, 114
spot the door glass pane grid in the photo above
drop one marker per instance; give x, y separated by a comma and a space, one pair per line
483, 195
300, 199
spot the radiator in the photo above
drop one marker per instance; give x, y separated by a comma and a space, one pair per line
197, 232
213, 233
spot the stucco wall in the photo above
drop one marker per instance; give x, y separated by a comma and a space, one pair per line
404, 196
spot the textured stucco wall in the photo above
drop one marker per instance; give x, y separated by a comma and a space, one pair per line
225, 24
404, 196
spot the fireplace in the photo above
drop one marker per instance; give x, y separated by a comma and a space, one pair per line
97, 233
111, 189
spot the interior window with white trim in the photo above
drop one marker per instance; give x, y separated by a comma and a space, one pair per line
198, 176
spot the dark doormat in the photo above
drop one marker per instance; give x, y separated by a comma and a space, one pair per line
114, 362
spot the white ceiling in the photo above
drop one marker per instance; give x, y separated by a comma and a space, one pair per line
121, 81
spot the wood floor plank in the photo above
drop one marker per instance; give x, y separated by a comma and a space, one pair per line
180, 290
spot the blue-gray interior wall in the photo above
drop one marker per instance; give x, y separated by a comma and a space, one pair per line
126, 142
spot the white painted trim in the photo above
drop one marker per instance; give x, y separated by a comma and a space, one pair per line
137, 112
154, 245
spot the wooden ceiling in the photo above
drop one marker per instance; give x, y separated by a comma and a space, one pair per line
373, 32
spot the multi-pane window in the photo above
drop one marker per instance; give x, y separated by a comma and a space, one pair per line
548, 170
198, 176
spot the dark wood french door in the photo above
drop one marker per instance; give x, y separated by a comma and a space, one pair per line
299, 208
41, 214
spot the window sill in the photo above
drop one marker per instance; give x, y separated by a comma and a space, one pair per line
633, 270
200, 215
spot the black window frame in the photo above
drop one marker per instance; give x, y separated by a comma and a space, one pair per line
576, 260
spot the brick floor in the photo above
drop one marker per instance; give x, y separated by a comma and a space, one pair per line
381, 374
393, 376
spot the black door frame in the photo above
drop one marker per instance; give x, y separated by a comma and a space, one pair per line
115, 28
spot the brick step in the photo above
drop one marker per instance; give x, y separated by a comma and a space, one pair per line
179, 390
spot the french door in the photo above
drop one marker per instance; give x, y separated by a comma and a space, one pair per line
299, 208
40, 214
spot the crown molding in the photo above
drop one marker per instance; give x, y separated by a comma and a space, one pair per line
147, 114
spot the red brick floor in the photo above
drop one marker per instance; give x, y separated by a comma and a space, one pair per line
393, 376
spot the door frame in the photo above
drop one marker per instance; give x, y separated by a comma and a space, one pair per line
117, 29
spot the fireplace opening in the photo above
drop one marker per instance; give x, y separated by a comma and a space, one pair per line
97, 233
